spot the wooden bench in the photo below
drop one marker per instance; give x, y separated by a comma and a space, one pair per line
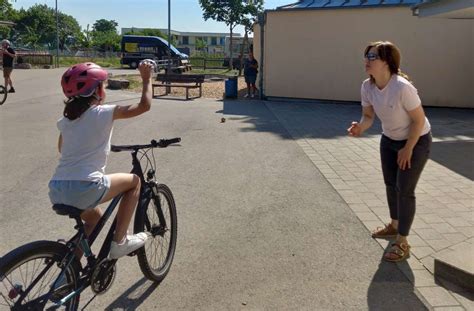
178, 80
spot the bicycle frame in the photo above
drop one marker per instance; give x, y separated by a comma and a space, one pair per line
79, 240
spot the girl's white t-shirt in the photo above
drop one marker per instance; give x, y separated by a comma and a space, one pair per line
86, 144
391, 104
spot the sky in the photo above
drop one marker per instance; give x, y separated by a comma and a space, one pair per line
186, 15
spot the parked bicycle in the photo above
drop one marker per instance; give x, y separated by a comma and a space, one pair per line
48, 275
3, 93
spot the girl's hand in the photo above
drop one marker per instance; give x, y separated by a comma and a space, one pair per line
404, 158
146, 69
355, 129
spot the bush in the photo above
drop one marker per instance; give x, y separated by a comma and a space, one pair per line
101, 61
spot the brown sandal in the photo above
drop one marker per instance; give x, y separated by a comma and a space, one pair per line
400, 250
385, 232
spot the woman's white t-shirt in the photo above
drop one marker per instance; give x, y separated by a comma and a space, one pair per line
391, 104
86, 144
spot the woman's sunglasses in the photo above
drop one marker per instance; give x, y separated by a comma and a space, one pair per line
371, 56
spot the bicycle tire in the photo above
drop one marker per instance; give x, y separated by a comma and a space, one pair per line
3, 94
32, 257
146, 220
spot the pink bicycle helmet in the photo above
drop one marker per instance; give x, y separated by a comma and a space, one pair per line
82, 79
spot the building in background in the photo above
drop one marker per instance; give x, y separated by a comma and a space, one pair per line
313, 49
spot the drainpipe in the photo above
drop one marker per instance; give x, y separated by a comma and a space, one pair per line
262, 18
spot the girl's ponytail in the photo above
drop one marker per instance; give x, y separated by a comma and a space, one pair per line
76, 106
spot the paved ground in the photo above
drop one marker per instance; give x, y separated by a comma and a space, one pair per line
273, 204
445, 213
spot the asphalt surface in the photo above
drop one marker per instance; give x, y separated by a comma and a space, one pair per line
259, 227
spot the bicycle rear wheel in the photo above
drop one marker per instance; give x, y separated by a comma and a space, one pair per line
27, 274
160, 220
3, 94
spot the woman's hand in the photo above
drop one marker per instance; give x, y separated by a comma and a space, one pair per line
355, 129
404, 158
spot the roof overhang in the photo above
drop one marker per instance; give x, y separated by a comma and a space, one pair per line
454, 9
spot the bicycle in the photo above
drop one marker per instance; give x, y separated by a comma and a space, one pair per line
3, 94
58, 277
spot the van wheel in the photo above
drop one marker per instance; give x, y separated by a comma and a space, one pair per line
133, 65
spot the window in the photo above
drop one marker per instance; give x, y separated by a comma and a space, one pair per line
222, 41
185, 40
213, 41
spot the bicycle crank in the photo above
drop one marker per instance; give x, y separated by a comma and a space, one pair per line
103, 276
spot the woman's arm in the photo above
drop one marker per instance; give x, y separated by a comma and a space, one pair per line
366, 121
417, 116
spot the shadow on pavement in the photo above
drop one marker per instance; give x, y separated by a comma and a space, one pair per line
452, 130
455, 155
391, 290
133, 297
324, 119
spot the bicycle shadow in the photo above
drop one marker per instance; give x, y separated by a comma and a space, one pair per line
133, 297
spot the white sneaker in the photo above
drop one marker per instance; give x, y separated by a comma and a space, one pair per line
246, 95
253, 95
131, 243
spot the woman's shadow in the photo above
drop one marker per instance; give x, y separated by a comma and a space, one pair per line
392, 288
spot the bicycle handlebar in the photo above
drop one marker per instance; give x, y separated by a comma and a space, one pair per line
162, 143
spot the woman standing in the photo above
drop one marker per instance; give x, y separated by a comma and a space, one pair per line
406, 139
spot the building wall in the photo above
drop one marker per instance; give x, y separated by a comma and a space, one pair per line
318, 54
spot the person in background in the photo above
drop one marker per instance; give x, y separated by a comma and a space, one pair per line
8, 54
250, 74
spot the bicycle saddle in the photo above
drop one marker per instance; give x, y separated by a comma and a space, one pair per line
63, 209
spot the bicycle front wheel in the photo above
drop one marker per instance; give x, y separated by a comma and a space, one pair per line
158, 219
28, 273
3, 94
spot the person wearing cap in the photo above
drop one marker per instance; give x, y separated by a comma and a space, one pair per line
8, 56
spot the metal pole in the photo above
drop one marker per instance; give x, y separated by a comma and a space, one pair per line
169, 36
57, 36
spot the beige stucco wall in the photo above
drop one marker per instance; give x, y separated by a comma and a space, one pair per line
318, 54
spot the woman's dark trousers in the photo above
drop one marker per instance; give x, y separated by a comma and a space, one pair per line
401, 184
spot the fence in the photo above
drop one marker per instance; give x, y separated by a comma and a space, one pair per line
34, 57
209, 63
213, 63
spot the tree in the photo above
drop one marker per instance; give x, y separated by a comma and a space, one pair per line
104, 35
103, 25
231, 12
70, 32
248, 21
200, 44
36, 27
7, 13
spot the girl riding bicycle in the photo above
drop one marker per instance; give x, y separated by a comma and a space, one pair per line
84, 144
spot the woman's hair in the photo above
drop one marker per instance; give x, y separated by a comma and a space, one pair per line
76, 106
389, 53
